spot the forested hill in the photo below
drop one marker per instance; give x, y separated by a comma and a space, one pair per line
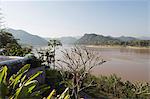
27, 38
95, 39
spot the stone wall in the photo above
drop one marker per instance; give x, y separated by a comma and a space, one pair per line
15, 63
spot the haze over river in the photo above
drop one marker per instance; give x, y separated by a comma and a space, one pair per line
128, 63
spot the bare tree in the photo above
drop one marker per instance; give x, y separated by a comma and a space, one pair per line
79, 62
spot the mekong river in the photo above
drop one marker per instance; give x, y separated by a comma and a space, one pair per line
129, 64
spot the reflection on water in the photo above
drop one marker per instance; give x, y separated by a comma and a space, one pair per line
136, 51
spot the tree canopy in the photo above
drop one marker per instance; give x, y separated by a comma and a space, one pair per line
7, 39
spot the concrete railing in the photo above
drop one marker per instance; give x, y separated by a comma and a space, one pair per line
14, 63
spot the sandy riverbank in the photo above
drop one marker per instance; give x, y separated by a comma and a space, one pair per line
108, 46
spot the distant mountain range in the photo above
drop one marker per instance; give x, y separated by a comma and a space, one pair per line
27, 38
68, 40
95, 39
144, 38
34, 40
125, 38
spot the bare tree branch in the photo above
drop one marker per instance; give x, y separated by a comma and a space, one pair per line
79, 62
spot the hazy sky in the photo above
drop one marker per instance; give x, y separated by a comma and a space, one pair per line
74, 18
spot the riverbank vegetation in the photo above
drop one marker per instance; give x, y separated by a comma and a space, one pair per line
116, 47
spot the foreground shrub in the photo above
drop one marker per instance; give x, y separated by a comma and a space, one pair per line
113, 87
19, 86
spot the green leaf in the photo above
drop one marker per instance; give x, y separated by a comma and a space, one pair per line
62, 96
40, 90
24, 69
31, 85
16, 80
18, 91
22, 80
67, 96
3, 74
51, 94
25, 90
31, 82
34, 76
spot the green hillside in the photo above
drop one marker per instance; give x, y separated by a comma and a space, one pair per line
94, 39
27, 38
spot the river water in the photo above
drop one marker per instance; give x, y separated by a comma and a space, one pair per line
128, 63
